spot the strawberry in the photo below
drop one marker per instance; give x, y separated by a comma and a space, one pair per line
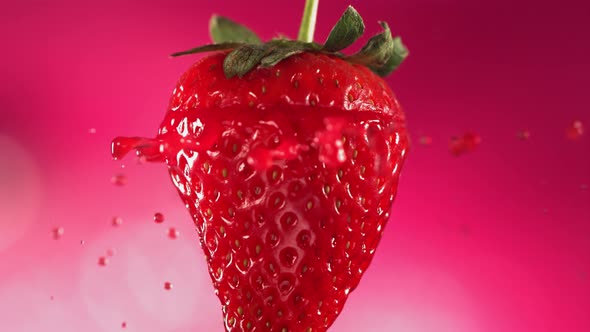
287, 155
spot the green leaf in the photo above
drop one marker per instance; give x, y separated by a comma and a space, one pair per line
224, 30
208, 48
281, 49
377, 50
243, 59
278, 55
382, 53
347, 30
399, 54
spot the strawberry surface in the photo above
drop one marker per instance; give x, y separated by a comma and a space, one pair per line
286, 236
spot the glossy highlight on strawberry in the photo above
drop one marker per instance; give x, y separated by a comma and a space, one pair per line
289, 172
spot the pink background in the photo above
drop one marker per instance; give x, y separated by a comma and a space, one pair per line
495, 240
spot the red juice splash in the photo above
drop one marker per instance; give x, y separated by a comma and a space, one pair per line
110, 252
425, 140
159, 218
523, 135
575, 130
119, 180
57, 233
150, 149
173, 233
103, 261
464, 144
117, 221
263, 158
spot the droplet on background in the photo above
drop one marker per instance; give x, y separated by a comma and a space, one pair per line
471, 141
523, 135
92, 131
124, 325
117, 221
575, 130
425, 140
119, 180
456, 146
158, 217
463, 144
137, 274
173, 233
168, 285
58, 232
110, 252
103, 261
82, 242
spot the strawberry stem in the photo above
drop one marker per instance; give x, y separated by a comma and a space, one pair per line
308, 21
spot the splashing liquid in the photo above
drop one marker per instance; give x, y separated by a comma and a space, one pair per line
300, 129
464, 144
57, 233
103, 261
119, 180
117, 221
173, 233
575, 130
159, 218
148, 149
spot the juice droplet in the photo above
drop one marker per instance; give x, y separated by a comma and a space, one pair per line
119, 180
463, 144
425, 140
124, 325
575, 131
471, 141
103, 261
82, 242
57, 233
150, 149
158, 218
117, 221
51, 298
110, 252
523, 135
92, 131
456, 146
167, 285
173, 233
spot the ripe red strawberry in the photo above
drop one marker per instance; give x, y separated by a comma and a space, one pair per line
287, 155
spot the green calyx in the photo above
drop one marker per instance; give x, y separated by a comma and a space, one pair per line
382, 53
